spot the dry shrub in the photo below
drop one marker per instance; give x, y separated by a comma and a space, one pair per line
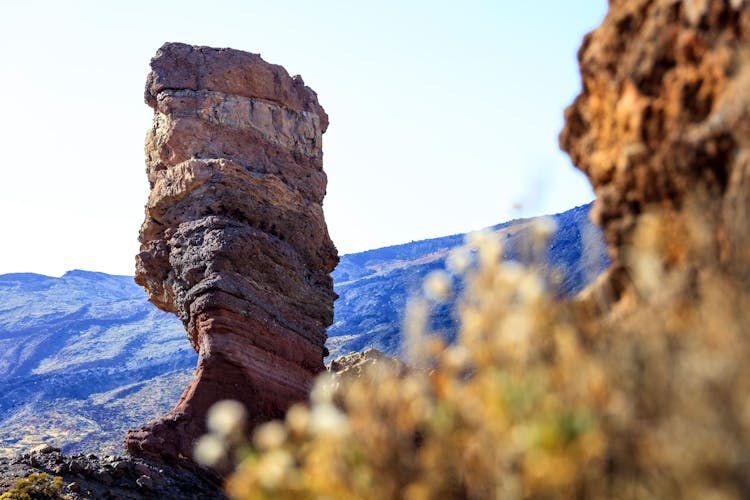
537, 398
37, 486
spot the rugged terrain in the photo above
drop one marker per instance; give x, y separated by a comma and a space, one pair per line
83, 357
374, 286
86, 356
647, 400
108, 476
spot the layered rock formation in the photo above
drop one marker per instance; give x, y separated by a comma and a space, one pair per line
664, 119
234, 241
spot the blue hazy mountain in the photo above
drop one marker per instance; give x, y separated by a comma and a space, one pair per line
85, 356
374, 286
82, 357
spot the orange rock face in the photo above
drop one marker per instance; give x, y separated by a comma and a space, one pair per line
665, 113
234, 241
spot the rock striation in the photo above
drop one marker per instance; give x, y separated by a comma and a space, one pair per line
664, 116
234, 241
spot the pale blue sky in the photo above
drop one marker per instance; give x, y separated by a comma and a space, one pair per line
444, 115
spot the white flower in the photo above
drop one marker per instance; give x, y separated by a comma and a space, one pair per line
326, 419
273, 466
324, 389
457, 357
226, 417
437, 286
531, 287
209, 450
297, 419
487, 244
459, 260
476, 239
543, 228
270, 435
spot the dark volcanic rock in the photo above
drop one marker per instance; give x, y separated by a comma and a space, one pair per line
234, 240
122, 477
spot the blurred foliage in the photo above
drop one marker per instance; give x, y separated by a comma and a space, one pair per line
641, 394
36, 486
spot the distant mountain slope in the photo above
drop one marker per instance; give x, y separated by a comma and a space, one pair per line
373, 286
74, 350
84, 357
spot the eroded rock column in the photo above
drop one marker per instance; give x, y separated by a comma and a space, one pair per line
234, 241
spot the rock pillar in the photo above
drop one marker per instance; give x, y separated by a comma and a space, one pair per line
234, 241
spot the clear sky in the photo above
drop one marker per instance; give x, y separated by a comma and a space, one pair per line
444, 114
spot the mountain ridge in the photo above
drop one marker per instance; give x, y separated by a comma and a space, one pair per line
84, 357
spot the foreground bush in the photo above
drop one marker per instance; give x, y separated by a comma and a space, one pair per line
36, 486
537, 399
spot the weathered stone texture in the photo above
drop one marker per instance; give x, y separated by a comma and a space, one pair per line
235, 241
664, 115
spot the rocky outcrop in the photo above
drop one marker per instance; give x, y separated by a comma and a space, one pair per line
234, 241
355, 364
664, 119
109, 476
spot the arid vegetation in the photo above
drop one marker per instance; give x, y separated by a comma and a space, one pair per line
537, 398
36, 486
